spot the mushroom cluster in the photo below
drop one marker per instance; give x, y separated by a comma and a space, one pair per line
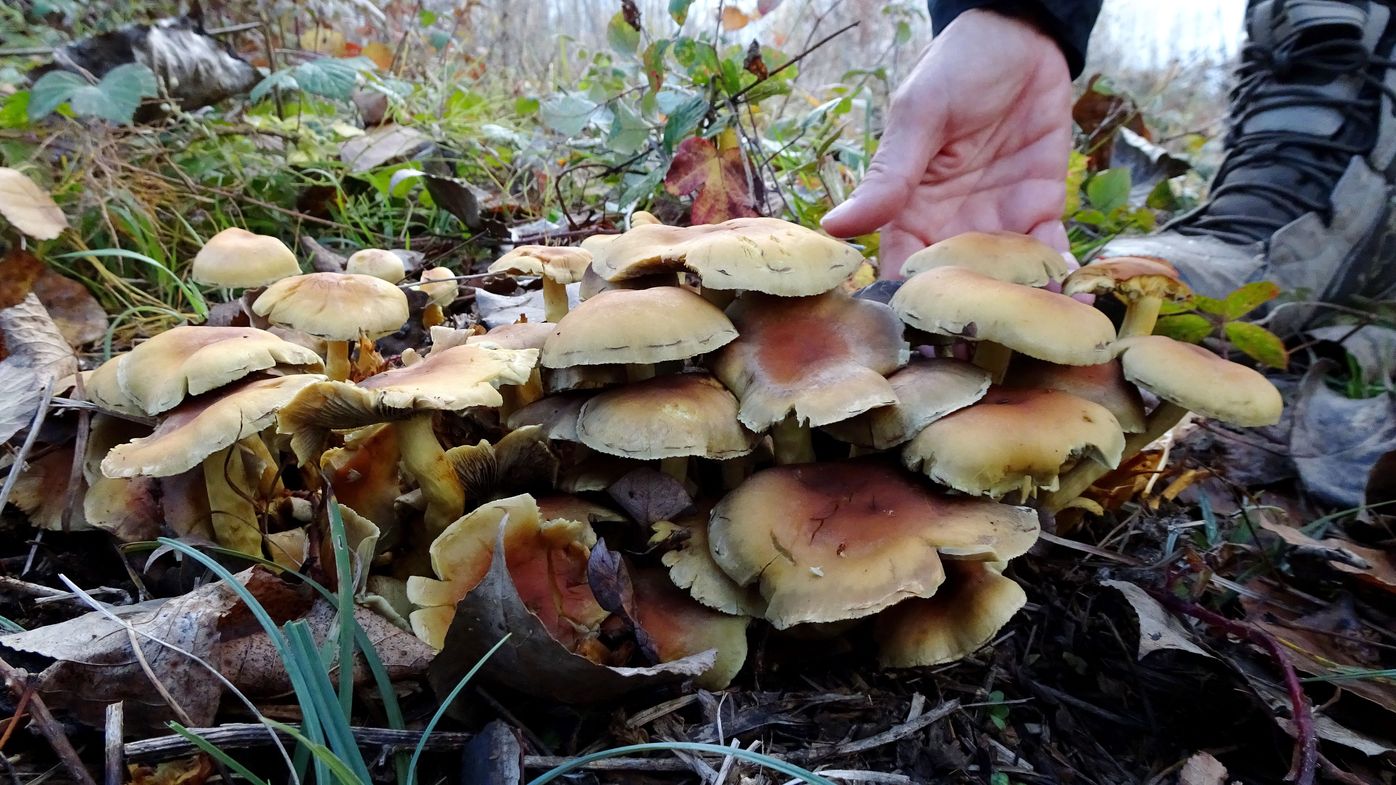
709, 430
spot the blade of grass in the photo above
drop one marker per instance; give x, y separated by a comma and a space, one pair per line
191, 294
441, 711
775, 764
218, 754
323, 754
334, 726
344, 619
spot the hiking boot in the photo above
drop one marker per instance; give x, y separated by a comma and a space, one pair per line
1304, 195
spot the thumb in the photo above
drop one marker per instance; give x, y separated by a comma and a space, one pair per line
911, 138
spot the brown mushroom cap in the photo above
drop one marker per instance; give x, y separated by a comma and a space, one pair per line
975, 602
691, 567
558, 264
822, 358
1105, 384
1200, 381
1129, 278
927, 389
1006, 256
756, 254
1038, 323
204, 425
853, 538
665, 417
156, 376
675, 627
1015, 440
381, 264
640, 326
334, 306
238, 259
364, 473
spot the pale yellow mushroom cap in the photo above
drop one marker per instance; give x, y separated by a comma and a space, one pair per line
1006, 256
1129, 278
439, 285
558, 264
1200, 381
334, 306
975, 602
637, 326
378, 263
238, 259
665, 417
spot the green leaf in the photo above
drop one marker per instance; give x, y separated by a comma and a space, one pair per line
331, 77
52, 91
1109, 190
117, 97
1188, 327
643, 186
1075, 176
678, 9
14, 112
1211, 305
524, 107
683, 120
277, 80
903, 34
621, 36
566, 113
1248, 298
1162, 197
427, 18
653, 61
1257, 343
629, 131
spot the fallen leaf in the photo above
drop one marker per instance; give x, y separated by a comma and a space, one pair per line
76, 313
36, 357
193, 770
494, 755
733, 19
1158, 629
1202, 769
28, 207
382, 145
717, 174
42, 491
1337, 441
647, 495
380, 53
19, 269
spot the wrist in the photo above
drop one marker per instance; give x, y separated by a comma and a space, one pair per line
1024, 20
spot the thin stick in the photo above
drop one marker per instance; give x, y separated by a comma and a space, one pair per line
115, 730
18, 682
18, 467
797, 58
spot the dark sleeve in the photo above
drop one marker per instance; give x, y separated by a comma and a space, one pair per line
1069, 22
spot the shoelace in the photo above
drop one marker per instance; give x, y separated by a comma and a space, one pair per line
1318, 159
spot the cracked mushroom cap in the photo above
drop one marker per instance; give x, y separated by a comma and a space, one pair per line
754, 254
440, 286
927, 389
1015, 440
975, 602
665, 417
1104, 384
853, 538
1129, 278
334, 306
638, 326
450, 380
558, 264
822, 358
202, 426
238, 259
156, 376
1200, 381
1042, 324
546, 559
692, 567
1006, 256
673, 626
381, 264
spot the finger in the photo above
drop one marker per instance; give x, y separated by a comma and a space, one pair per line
1052, 232
913, 135
895, 246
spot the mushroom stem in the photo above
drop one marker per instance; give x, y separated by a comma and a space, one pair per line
1084, 475
1141, 316
735, 470
639, 372
675, 467
432, 315
792, 442
425, 461
554, 300
337, 360
232, 512
994, 358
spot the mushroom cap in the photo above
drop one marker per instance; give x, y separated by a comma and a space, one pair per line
378, 263
238, 259
975, 602
822, 358
691, 567
575, 508
927, 389
440, 286
1015, 439
1042, 324
156, 376
204, 425
643, 218
639, 326
756, 254
523, 335
364, 473
580, 378
547, 561
334, 306
1129, 278
665, 417
674, 627
450, 380
556, 415
593, 284
1200, 381
557, 264
1105, 384
1005, 256
832, 541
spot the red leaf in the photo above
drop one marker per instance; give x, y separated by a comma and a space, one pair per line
718, 177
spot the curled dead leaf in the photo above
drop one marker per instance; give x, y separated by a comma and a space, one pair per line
28, 207
37, 356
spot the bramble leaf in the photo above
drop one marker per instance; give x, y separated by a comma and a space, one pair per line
717, 175
1188, 327
1257, 343
1248, 298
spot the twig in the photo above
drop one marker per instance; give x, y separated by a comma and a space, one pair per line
115, 762
75, 476
246, 735
894, 733
797, 58
1305, 760
34, 428
18, 682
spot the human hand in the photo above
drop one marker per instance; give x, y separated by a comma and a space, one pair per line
977, 139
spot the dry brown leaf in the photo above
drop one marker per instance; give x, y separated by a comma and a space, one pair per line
42, 491
1158, 629
37, 356
19, 269
76, 313
28, 207
193, 770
